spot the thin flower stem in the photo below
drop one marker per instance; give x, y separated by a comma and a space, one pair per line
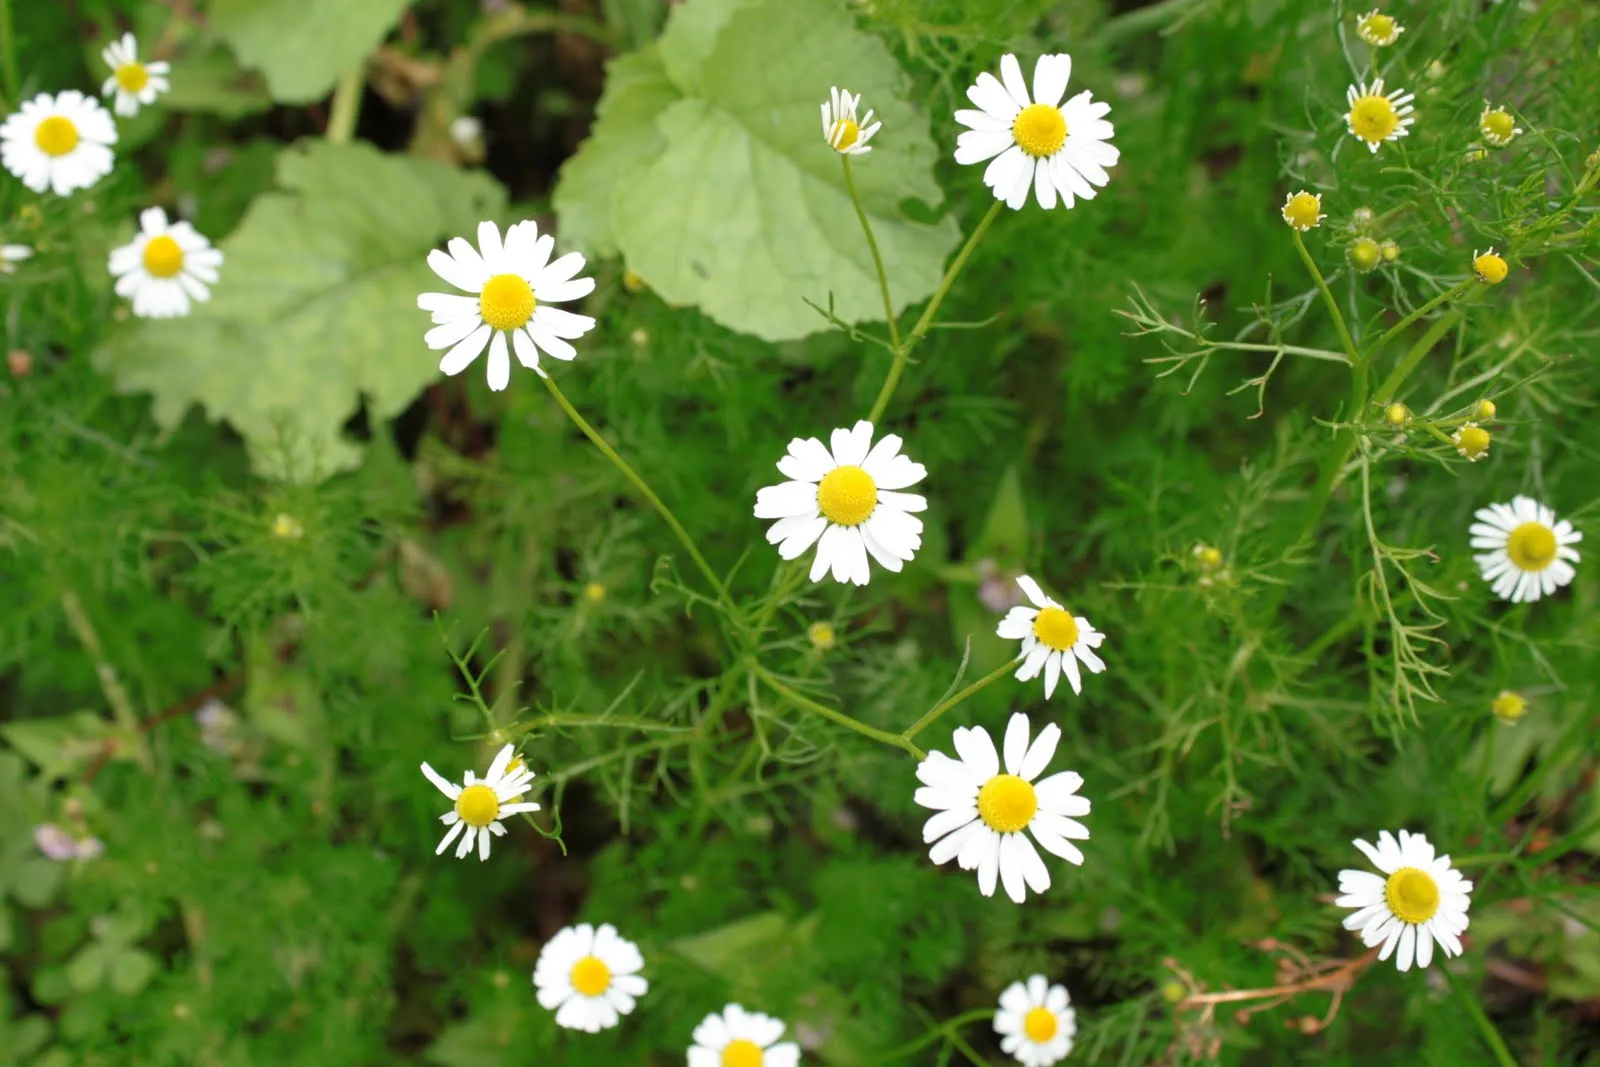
1491, 1036
945, 705
1449, 294
110, 684
346, 107
1397, 377
778, 686
877, 257
8, 57
942, 1032
1356, 362
648, 493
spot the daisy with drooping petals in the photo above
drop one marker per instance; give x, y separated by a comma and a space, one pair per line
983, 810
1489, 267
846, 503
513, 285
1374, 117
1418, 900
60, 142
1303, 210
1036, 1022
1497, 126
1471, 441
1530, 552
133, 82
734, 1037
1037, 142
1053, 639
1377, 29
480, 805
165, 267
11, 255
589, 977
845, 133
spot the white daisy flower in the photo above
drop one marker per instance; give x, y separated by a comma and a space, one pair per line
983, 811
1378, 29
1053, 639
1037, 142
1530, 553
1374, 117
11, 255
588, 977
847, 499
1419, 899
133, 82
513, 285
165, 267
734, 1037
1497, 126
845, 133
480, 805
60, 142
1036, 1022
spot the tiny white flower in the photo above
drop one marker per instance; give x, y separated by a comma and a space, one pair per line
983, 810
513, 285
1419, 899
845, 502
734, 1037
467, 131
480, 805
588, 977
844, 132
1374, 117
1530, 552
60, 142
1036, 1022
165, 267
1037, 142
134, 83
11, 255
1053, 640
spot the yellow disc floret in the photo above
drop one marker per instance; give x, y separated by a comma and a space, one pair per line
477, 805
56, 136
1412, 895
1040, 130
1472, 441
844, 133
1056, 628
1484, 409
1040, 1025
1490, 268
162, 257
506, 301
1378, 29
1303, 210
1508, 706
1006, 803
741, 1053
1396, 415
1373, 118
1498, 127
132, 77
1532, 546
847, 496
1365, 254
590, 976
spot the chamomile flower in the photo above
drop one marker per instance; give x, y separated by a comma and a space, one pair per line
983, 810
1471, 441
1037, 142
480, 805
1303, 210
512, 285
60, 142
1490, 268
846, 502
164, 267
1036, 1022
133, 82
1053, 640
1418, 900
1364, 254
844, 132
1529, 553
1377, 29
11, 255
1375, 117
589, 977
734, 1037
1508, 706
1497, 126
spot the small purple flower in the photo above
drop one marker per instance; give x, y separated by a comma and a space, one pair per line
55, 842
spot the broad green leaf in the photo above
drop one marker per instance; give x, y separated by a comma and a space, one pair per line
315, 309
689, 37
87, 968
59, 745
131, 970
302, 46
213, 81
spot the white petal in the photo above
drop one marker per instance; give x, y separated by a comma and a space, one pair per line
1011, 77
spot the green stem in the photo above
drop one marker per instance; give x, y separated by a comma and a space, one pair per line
1397, 377
346, 104
942, 1032
648, 493
110, 684
1332, 304
783, 584
877, 257
8, 56
1449, 294
945, 705
1491, 1036
778, 686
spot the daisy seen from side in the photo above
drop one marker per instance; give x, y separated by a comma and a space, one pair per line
984, 808
1418, 900
165, 267
1525, 552
841, 128
1377, 29
847, 501
1053, 640
1035, 141
1036, 1022
589, 977
132, 83
734, 1037
1375, 116
479, 805
512, 285
61, 142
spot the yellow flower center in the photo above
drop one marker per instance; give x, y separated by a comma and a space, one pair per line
1040, 130
1373, 118
506, 301
1531, 546
1396, 414
847, 495
845, 132
741, 1053
1007, 803
132, 77
1040, 1025
1484, 409
594, 592
1412, 895
1498, 125
1365, 254
477, 805
1473, 441
590, 976
1509, 706
1490, 268
1377, 29
56, 136
162, 257
1303, 211
1056, 628
821, 635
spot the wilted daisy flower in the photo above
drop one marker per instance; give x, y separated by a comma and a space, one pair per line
1303, 210
1530, 554
1034, 142
983, 811
1471, 441
164, 267
1364, 254
60, 142
588, 977
1378, 29
847, 499
1036, 1022
480, 805
11, 255
1419, 900
734, 1037
1374, 117
133, 82
513, 285
1490, 268
1497, 126
844, 133
1053, 640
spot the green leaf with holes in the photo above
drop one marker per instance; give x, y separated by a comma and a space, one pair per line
302, 46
